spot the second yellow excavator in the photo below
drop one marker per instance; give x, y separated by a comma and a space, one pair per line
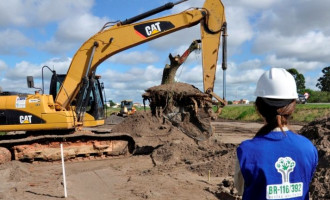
75, 100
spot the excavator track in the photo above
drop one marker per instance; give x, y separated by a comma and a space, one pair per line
81, 144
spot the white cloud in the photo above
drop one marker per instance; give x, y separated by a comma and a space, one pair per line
14, 78
3, 66
60, 65
239, 28
296, 17
134, 78
308, 47
292, 62
135, 57
251, 64
130, 84
36, 13
256, 4
13, 42
23, 69
242, 75
192, 75
72, 32
79, 28
57, 47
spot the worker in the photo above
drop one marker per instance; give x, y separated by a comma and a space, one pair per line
277, 163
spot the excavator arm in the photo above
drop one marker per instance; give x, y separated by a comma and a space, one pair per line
127, 34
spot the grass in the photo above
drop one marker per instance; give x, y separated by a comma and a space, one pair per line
303, 112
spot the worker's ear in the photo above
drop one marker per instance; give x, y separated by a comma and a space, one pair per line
30, 81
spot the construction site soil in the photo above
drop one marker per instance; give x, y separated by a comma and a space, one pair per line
173, 165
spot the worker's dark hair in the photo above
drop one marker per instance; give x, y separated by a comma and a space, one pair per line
274, 116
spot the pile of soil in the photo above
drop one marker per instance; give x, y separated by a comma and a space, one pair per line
172, 148
318, 132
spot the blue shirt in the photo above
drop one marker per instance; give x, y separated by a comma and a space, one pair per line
277, 166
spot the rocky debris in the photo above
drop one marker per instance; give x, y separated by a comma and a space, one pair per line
318, 132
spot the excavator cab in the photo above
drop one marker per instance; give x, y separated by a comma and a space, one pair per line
94, 104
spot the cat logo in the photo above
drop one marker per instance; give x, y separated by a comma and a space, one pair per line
25, 119
149, 29
153, 29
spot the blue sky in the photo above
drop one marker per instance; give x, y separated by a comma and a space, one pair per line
262, 34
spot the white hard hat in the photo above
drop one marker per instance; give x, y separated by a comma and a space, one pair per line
276, 83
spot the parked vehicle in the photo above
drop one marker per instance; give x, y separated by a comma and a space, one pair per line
301, 99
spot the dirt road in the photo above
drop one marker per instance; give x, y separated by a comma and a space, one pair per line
179, 169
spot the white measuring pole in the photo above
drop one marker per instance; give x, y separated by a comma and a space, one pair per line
63, 169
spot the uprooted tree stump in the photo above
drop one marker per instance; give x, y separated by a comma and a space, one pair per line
185, 106
176, 61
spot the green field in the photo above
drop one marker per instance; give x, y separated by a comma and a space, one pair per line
303, 113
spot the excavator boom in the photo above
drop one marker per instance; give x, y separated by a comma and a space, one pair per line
119, 37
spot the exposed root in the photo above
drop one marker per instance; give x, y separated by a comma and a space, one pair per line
184, 106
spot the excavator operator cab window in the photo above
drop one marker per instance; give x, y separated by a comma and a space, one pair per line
95, 105
55, 84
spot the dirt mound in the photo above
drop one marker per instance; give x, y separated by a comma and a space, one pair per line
318, 132
172, 148
114, 119
148, 130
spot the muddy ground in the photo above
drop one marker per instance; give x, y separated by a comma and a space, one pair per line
178, 167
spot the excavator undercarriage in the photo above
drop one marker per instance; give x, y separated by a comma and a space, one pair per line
83, 144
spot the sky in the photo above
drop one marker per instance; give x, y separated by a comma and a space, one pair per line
261, 34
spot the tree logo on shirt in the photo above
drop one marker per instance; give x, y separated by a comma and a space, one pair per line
284, 166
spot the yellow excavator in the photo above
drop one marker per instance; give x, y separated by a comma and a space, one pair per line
126, 108
75, 100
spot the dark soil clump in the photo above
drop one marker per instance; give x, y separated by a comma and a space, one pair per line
318, 132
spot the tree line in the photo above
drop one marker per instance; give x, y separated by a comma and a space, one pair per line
323, 83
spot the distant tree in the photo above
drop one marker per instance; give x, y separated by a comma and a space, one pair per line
111, 103
299, 78
324, 81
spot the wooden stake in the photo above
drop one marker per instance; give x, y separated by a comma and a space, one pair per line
63, 169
